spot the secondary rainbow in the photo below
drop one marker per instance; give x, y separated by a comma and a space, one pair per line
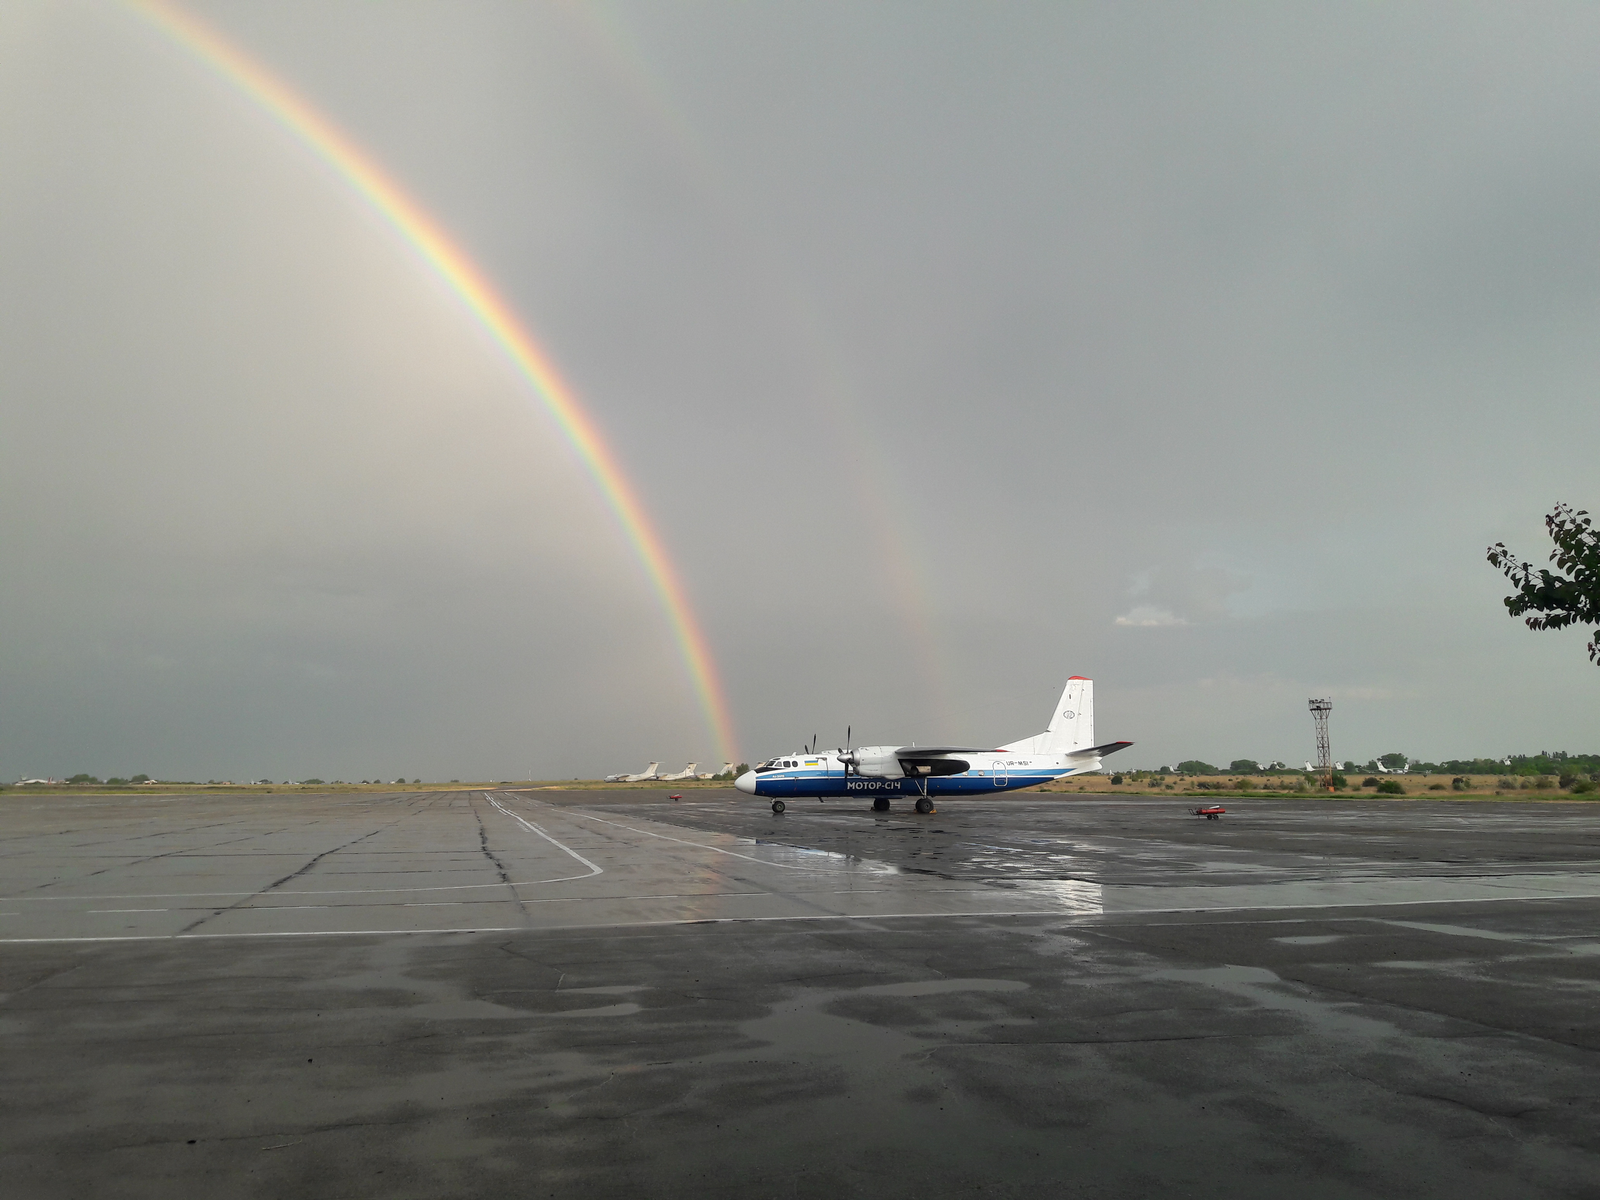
430, 241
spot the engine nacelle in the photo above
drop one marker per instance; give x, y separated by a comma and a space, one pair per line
877, 762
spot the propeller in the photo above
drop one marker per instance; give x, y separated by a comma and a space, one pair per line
847, 754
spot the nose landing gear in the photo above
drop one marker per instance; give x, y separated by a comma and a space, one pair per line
777, 807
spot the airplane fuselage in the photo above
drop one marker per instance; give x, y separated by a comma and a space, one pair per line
824, 775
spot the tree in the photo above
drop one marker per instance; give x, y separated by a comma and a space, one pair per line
1393, 762
1558, 599
1193, 766
1244, 766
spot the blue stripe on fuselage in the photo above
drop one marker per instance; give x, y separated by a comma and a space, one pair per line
790, 785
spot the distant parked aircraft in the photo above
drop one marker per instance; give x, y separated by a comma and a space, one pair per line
686, 773
727, 769
653, 771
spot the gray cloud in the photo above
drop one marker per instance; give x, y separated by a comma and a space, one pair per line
954, 348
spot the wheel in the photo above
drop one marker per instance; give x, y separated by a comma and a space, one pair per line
777, 807
1211, 816
924, 805
880, 804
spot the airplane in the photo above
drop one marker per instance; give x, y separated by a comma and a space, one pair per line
686, 773
727, 769
653, 771
1065, 748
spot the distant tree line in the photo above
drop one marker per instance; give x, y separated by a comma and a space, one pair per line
1546, 762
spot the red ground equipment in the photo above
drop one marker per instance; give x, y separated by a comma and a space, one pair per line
675, 796
1210, 812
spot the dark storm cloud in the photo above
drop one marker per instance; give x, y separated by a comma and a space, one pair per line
1198, 349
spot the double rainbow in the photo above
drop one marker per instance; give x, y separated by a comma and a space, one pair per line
464, 278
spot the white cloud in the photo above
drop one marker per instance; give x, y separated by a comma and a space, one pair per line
1149, 616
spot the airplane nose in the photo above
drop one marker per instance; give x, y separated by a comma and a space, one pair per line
746, 783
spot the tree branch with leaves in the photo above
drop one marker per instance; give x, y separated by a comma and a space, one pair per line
1570, 595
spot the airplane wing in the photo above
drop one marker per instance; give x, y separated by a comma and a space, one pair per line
1100, 751
919, 761
915, 752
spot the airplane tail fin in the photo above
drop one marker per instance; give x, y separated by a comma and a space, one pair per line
1072, 723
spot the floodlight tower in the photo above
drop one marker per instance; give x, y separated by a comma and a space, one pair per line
1319, 716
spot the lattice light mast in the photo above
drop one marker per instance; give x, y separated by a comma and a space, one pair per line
1319, 716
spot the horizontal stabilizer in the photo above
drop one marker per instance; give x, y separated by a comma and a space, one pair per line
1100, 751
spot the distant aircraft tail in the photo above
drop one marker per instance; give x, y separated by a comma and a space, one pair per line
1071, 724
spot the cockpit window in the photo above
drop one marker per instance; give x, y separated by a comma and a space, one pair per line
778, 764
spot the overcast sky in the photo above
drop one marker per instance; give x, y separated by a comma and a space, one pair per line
955, 349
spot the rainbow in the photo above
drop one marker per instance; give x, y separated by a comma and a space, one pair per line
463, 277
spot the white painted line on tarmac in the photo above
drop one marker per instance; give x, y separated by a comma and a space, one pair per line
593, 870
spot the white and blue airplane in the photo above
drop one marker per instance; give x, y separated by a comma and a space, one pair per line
1065, 748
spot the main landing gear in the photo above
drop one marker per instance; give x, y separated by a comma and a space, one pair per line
880, 804
777, 807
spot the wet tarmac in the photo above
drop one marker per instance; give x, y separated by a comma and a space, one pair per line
592, 994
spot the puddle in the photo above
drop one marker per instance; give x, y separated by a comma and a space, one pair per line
1461, 931
462, 1010
1264, 988
934, 987
789, 854
1073, 895
616, 989
626, 1009
1311, 939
